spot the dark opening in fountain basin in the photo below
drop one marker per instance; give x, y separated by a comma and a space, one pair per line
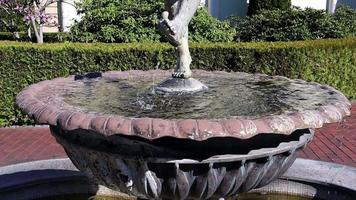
177, 148
240, 197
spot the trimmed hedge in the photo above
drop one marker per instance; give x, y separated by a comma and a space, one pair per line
47, 37
330, 62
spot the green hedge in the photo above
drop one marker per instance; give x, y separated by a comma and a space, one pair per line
47, 37
331, 62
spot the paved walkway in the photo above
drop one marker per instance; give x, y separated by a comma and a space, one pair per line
333, 143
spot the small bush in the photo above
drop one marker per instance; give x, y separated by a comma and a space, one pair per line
345, 18
325, 61
205, 28
9, 36
296, 24
257, 6
124, 21
118, 21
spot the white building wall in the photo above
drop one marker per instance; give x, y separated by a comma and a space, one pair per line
316, 4
69, 14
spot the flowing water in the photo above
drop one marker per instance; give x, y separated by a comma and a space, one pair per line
231, 95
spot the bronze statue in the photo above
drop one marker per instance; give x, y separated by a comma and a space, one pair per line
174, 26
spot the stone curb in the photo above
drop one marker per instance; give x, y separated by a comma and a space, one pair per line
46, 178
53, 164
69, 180
302, 170
322, 173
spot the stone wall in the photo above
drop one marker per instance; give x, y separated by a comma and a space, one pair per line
69, 14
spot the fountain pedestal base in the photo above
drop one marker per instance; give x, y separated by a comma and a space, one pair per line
180, 85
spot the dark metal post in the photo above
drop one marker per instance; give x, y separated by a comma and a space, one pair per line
60, 15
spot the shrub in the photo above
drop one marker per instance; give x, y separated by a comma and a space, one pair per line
296, 24
326, 61
136, 21
118, 21
345, 18
9, 36
205, 28
47, 37
256, 6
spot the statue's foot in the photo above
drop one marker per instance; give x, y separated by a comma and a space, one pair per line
182, 74
171, 29
183, 66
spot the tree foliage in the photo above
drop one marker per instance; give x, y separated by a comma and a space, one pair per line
345, 18
32, 13
296, 24
117, 21
10, 21
205, 28
256, 6
137, 21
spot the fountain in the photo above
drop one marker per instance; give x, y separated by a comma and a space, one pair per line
180, 138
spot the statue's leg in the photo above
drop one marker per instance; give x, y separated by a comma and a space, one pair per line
176, 19
187, 9
175, 27
165, 26
182, 69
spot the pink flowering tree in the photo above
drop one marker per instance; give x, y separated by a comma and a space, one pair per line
32, 12
9, 20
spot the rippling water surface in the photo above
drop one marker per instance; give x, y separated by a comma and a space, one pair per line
230, 95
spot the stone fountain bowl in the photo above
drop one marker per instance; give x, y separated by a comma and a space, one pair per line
161, 170
189, 157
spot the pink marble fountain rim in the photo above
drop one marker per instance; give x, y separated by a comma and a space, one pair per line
196, 129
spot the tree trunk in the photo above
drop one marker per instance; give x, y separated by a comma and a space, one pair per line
29, 34
40, 39
16, 35
38, 29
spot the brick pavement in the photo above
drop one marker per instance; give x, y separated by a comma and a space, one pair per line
19, 145
333, 143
